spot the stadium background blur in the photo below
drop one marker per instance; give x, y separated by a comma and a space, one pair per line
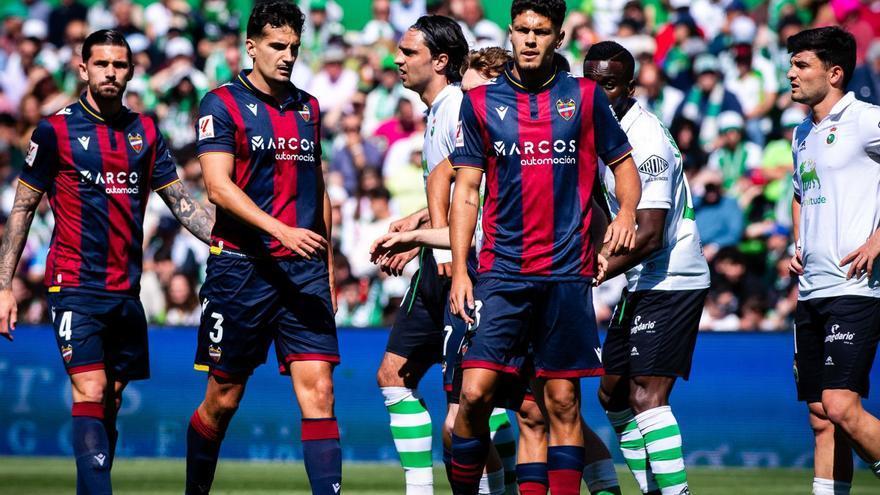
713, 71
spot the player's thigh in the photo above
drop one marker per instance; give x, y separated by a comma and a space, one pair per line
398, 371
313, 386
616, 348
566, 340
498, 338
79, 331
304, 327
127, 353
238, 305
852, 330
663, 332
417, 332
809, 351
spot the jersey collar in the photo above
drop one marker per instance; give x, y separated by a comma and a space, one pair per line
837, 109
444, 93
631, 115
94, 114
244, 82
518, 85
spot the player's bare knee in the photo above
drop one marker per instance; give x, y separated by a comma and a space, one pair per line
562, 404
841, 412
642, 399
321, 393
531, 419
474, 400
89, 390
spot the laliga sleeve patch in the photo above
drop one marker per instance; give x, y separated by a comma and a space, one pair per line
459, 138
31, 153
654, 166
206, 127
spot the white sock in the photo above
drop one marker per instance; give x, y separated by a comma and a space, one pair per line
822, 486
600, 475
492, 483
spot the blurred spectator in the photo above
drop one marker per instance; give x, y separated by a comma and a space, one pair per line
367, 229
38, 10
402, 125
405, 13
407, 184
479, 31
379, 27
865, 82
382, 100
777, 165
719, 315
707, 99
352, 153
735, 159
159, 14
319, 32
358, 303
181, 302
333, 85
61, 17
718, 217
126, 17
654, 94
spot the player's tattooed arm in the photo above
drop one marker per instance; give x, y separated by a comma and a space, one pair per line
191, 213
17, 227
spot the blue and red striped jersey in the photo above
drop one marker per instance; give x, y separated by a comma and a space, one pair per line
277, 150
539, 151
98, 174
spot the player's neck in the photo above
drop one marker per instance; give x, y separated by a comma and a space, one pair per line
433, 89
276, 90
823, 108
108, 108
534, 79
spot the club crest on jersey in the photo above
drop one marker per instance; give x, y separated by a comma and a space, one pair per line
566, 108
305, 113
831, 136
136, 141
67, 353
215, 352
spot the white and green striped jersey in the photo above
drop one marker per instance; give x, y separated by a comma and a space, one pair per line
679, 264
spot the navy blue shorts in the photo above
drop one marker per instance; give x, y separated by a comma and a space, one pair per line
454, 330
247, 304
418, 330
101, 331
551, 321
653, 333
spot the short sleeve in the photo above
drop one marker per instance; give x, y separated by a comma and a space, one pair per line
869, 132
468, 140
612, 146
215, 129
41, 159
449, 121
164, 171
795, 180
655, 163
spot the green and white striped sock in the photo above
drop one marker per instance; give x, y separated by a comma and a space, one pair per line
875, 468
632, 446
501, 432
663, 444
412, 433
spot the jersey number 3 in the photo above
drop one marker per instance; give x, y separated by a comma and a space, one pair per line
217, 335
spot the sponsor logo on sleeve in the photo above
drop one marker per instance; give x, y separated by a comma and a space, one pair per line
206, 127
31, 153
654, 167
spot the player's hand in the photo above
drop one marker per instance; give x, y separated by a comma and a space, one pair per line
303, 242
394, 265
461, 297
620, 236
796, 264
390, 244
601, 270
861, 260
8, 314
405, 224
444, 269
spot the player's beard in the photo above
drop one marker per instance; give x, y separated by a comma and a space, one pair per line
107, 91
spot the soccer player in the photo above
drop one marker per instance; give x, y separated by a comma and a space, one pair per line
429, 57
537, 133
98, 162
268, 277
654, 328
836, 212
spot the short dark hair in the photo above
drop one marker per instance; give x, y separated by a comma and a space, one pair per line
105, 37
832, 45
275, 13
552, 9
444, 35
611, 50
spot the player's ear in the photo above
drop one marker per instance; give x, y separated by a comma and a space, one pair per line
559, 39
251, 47
440, 63
83, 72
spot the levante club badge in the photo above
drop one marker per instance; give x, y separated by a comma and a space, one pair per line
67, 353
136, 141
215, 352
305, 113
566, 108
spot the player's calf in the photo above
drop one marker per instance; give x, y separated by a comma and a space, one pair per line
565, 455
91, 448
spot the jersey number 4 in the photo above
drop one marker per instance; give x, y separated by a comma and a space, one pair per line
64, 330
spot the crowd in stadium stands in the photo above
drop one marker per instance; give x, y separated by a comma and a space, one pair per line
712, 70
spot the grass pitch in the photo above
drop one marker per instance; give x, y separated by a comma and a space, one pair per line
41, 475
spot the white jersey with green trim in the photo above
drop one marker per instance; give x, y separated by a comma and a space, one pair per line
679, 264
837, 178
442, 125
